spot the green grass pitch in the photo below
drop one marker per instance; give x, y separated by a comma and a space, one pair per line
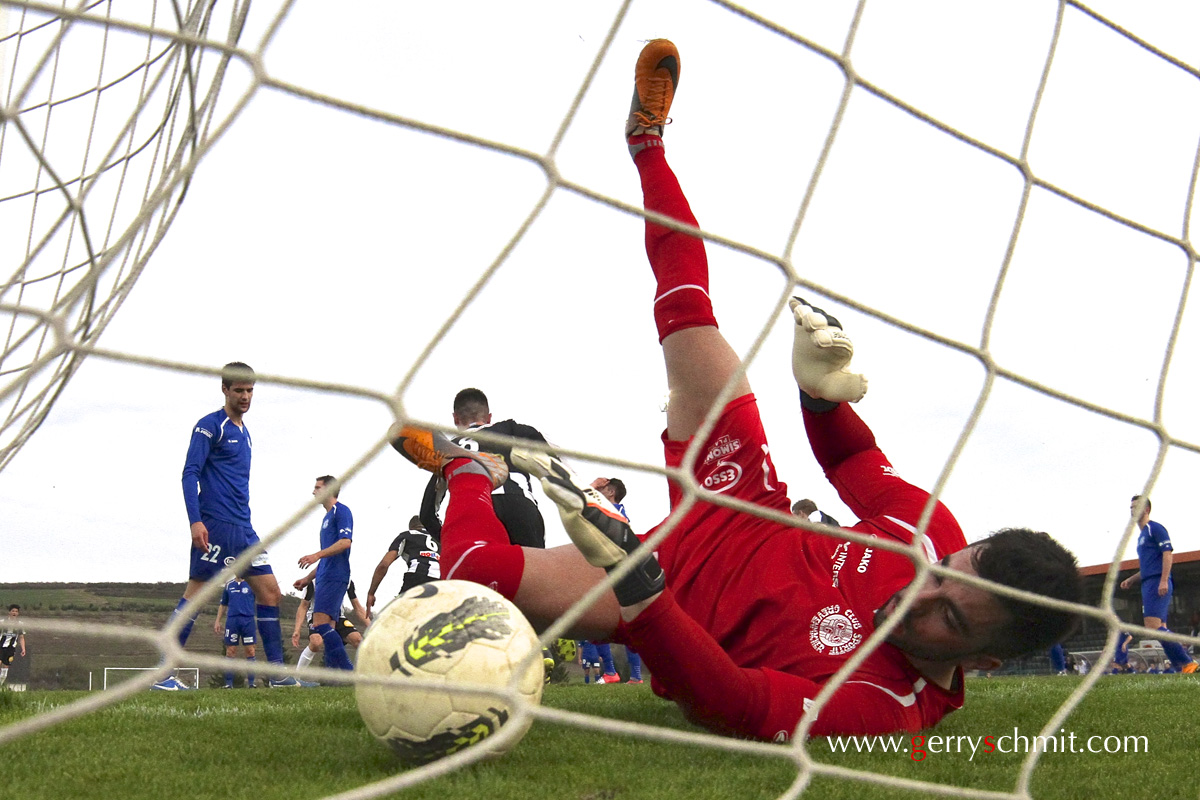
310, 743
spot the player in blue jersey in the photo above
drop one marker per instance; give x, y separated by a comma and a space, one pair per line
333, 570
589, 659
345, 628
614, 489
237, 611
1155, 557
216, 493
607, 665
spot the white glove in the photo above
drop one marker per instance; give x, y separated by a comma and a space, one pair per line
821, 354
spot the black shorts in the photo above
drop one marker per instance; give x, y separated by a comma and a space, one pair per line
344, 628
7, 654
521, 519
412, 579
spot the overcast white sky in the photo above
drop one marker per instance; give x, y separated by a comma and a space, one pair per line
328, 246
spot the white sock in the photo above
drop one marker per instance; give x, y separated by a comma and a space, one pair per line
3, 675
305, 658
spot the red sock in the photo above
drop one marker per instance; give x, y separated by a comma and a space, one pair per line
475, 545
678, 259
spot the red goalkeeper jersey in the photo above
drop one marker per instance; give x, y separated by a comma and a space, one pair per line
758, 614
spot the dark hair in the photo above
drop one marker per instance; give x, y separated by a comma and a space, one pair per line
1032, 561
471, 403
415, 522
14, 606
618, 489
804, 506
331, 483
1137, 497
236, 372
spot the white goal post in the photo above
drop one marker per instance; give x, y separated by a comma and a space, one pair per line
179, 672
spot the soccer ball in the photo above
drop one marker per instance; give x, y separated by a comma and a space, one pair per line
452, 632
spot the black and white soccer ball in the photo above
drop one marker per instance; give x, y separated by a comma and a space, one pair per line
449, 632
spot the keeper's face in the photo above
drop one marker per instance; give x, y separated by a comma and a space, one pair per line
14, 612
949, 620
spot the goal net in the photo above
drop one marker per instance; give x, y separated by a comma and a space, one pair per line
997, 200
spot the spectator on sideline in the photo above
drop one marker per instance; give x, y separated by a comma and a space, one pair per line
237, 612
216, 493
1155, 558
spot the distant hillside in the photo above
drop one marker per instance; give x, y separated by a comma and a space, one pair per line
59, 661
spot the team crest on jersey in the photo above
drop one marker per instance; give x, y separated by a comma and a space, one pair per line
888, 469
725, 446
834, 630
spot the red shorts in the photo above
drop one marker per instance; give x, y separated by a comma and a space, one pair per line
736, 462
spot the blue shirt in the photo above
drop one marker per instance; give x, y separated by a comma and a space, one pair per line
1152, 543
239, 598
216, 474
337, 524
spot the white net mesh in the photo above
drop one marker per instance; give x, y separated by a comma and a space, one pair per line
998, 191
104, 119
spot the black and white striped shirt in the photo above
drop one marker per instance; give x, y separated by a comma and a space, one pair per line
518, 482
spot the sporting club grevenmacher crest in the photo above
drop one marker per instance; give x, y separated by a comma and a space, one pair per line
834, 630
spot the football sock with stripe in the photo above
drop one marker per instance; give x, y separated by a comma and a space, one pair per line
186, 630
1174, 651
335, 651
678, 259
269, 633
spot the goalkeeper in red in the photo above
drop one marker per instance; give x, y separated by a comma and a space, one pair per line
741, 619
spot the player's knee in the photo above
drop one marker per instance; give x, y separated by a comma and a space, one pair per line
231, 651
315, 642
269, 595
354, 639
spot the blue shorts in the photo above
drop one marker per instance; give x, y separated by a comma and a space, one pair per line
328, 595
226, 541
240, 630
1152, 604
588, 655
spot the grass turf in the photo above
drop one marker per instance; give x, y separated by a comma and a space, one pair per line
309, 743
